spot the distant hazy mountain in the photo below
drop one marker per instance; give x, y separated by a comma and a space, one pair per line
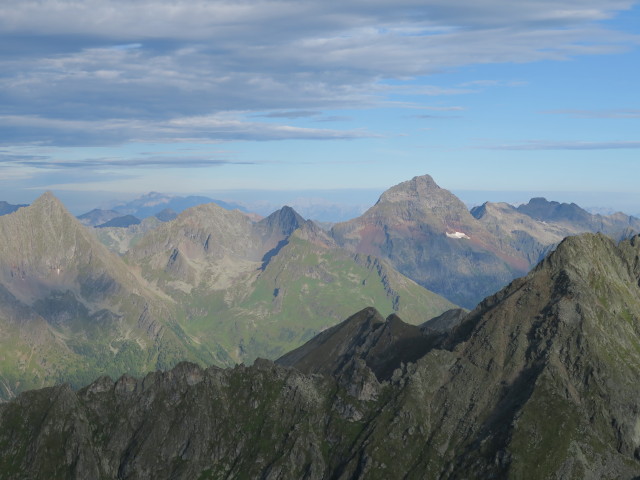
154, 202
324, 211
617, 225
166, 215
122, 222
6, 208
98, 217
538, 226
540, 381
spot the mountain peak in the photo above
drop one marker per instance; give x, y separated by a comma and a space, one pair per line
417, 188
541, 209
285, 220
591, 252
422, 196
49, 204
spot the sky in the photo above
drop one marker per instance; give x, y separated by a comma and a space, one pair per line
331, 100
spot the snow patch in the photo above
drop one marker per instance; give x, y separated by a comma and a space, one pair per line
457, 235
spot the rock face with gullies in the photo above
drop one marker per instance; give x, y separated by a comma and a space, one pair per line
383, 344
534, 229
70, 308
571, 216
541, 380
428, 234
257, 289
211, 286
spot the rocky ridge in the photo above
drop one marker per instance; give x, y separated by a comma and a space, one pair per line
541, 380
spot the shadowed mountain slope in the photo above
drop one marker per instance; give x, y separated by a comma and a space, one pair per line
384, 345
541, 380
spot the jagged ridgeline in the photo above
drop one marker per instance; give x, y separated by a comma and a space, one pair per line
427, 233
541, 380
212, 286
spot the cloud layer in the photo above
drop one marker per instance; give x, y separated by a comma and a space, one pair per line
103, 72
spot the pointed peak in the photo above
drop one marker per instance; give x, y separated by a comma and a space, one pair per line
586, 244
48, 201
581, 253
416, 188
367, 314
479, 211
287, 211
286, 219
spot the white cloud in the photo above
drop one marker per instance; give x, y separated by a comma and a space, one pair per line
620, 113
572, 145
158, 62
202, 129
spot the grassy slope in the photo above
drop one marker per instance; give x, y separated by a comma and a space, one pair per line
302, 291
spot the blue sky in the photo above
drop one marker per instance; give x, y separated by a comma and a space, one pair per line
497, 100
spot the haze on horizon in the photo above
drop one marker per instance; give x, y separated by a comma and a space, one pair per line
110, 99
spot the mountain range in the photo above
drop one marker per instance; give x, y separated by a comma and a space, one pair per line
540, 380
153, 203
427, 233
211, 286
219, 287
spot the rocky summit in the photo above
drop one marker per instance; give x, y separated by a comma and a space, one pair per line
540, 380
428, 234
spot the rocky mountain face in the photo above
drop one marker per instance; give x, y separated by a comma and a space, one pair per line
121, 239
571, 216
428, 234
212, 286
262, 288
535, 228
70, 308
541, 380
